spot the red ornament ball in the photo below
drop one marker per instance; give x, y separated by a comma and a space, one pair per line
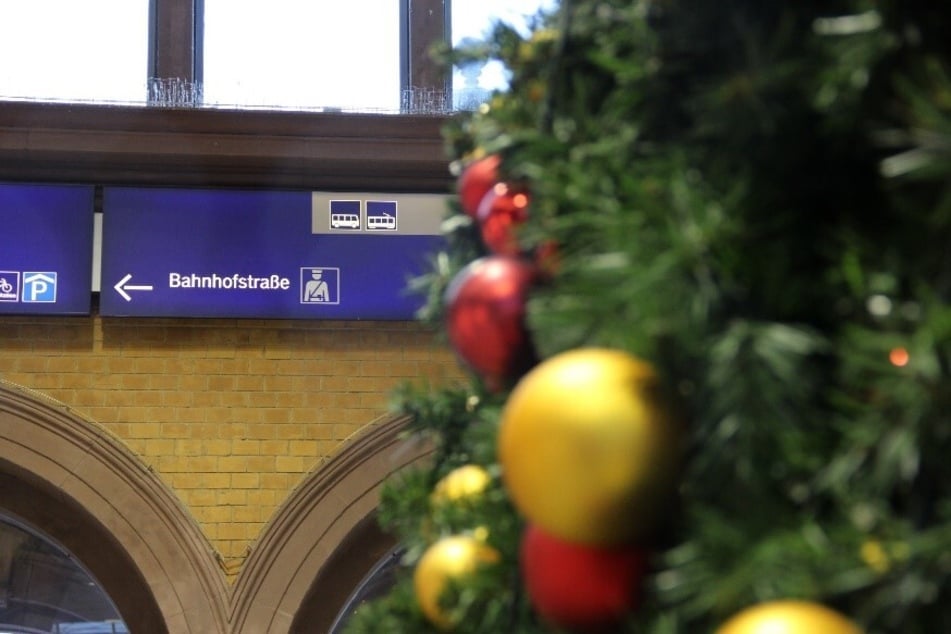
486, 318
500, 213
579, 587
476, 180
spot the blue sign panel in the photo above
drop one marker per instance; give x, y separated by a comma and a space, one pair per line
213, 253
46, 243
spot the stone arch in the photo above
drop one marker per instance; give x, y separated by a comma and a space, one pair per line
324, 524
78, 484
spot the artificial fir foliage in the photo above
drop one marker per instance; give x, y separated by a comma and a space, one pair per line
755, 197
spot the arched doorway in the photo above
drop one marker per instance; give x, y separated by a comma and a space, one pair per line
86, 491
324, 540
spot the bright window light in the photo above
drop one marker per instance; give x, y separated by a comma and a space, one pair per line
94, 50
302, 54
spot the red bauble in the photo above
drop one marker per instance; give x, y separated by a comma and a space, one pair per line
476, 180
501, 211
486, 318
580, 587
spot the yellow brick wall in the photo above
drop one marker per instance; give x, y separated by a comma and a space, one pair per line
230, 413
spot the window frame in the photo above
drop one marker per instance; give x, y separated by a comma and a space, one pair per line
146, 145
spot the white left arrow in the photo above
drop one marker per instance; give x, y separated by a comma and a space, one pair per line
122, 287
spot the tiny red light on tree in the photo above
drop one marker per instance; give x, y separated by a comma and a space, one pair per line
899, 357
547, 258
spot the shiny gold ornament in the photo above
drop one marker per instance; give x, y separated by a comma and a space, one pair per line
465, 482
789, 617
450, 558
590, 450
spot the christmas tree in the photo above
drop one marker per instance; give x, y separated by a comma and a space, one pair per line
697, 270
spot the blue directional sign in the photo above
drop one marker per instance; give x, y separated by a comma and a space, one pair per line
216, 253
46, 244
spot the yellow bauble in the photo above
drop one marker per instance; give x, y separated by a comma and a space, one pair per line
590, 450
789, 617
465, 482
450, 558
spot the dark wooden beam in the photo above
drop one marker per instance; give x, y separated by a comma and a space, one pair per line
212, 147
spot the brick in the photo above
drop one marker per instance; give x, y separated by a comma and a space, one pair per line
260, 431
62, 364
215, 481
231, 497
162, 447
216, 513
245, 480
163, 382
233, 464
214, 413
148, 365
319, 432
305, 416
234, 399
174, 430
302, 448
134, 381
75, 383
261, 464
289, 432
141, 429
333, 383
203, 498
216, 447
221, 382
190, 414
276, 481
188, 447
289, 464
246, 447
346, 400
205, 431
248, 516
193, 382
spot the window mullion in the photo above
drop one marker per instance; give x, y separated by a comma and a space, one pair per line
424, 79
172, 39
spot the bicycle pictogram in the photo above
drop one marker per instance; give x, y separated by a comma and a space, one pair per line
9, 286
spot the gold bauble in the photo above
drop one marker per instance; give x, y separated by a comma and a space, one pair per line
451, 558
789, 617
465, 482
589, 448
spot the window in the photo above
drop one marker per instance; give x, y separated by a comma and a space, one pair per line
44, 589
302, 54
73, 51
